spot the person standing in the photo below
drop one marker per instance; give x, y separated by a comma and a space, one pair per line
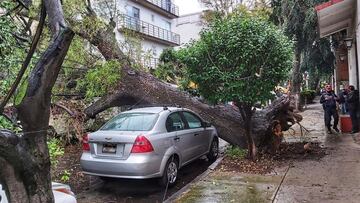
328, 100
352, 101
342, 99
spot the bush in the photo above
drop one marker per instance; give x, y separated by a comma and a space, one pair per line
55, 150
236, 152
307, 95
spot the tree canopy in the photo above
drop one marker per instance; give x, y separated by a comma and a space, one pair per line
240, 58
299, 21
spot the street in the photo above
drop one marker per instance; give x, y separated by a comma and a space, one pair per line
125, 190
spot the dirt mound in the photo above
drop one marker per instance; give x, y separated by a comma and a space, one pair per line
266, 163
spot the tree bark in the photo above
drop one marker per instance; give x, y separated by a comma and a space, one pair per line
246, 113
296, 79
25, 159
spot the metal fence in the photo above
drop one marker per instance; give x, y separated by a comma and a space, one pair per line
166, 5
149, 62
148, 29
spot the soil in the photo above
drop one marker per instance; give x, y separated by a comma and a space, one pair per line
70, 162
266, 163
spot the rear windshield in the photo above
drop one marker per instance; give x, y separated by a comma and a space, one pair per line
131, 122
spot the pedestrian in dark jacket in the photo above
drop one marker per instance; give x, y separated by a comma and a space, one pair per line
342, 99
352, 101
328, 100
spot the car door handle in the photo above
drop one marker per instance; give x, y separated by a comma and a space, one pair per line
196, 134
177, 138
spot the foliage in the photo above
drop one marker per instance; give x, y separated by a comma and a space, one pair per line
299, 20
65, 176
222, 8
169, 68
101, 79
239, 58
236, 152
55, 150
6, 124
12, 50
307, 95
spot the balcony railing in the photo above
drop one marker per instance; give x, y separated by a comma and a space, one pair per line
149, 62
149, 29
166, 5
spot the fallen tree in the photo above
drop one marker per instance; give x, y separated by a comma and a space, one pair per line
138, 87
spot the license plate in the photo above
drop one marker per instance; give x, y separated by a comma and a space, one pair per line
109, 148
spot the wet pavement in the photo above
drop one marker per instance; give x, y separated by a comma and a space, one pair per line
334, 178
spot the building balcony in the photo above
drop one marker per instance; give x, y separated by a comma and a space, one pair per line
164, 7
149, 31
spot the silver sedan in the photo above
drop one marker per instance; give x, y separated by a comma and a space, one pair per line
149, 142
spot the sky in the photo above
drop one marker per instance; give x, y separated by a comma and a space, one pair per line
188, 6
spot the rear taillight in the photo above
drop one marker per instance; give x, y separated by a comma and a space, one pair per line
66, 191
142, 145
85, 143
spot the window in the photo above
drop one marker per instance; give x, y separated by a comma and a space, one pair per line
167, 5
152, 18
174, 123
131, 122
133, 12
133, 21
167, 25
192, 120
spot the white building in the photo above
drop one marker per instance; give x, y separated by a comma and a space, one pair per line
189, 27
152, 20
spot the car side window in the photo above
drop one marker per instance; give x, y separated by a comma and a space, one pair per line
174, 122
192, 120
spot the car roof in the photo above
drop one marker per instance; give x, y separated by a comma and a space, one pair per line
153, 109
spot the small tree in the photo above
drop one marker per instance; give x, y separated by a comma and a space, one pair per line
241, 59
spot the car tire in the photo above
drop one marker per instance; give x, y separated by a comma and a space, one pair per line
214, 150
170, 171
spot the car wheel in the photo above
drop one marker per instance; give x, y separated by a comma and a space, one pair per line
170, 173
214, 150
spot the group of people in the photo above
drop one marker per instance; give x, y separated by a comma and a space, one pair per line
349, 98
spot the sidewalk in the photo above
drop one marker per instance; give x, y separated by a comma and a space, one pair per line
334, 178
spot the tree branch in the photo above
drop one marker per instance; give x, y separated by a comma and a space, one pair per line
67, 110
27, 59
56, 17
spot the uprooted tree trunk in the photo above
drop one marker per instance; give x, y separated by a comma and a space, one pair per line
24, 160
246, 112
140, 87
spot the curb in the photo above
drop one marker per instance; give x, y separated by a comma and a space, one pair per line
187, 187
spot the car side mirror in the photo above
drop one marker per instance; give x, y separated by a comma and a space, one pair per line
206, 124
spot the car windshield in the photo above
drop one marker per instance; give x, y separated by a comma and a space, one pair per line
131, 122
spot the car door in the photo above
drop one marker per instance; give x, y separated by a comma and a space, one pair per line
197, 133
182, 140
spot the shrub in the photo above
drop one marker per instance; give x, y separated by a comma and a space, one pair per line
307, 95
55, 150
236, 152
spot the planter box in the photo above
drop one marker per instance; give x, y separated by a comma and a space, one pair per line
345, 123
